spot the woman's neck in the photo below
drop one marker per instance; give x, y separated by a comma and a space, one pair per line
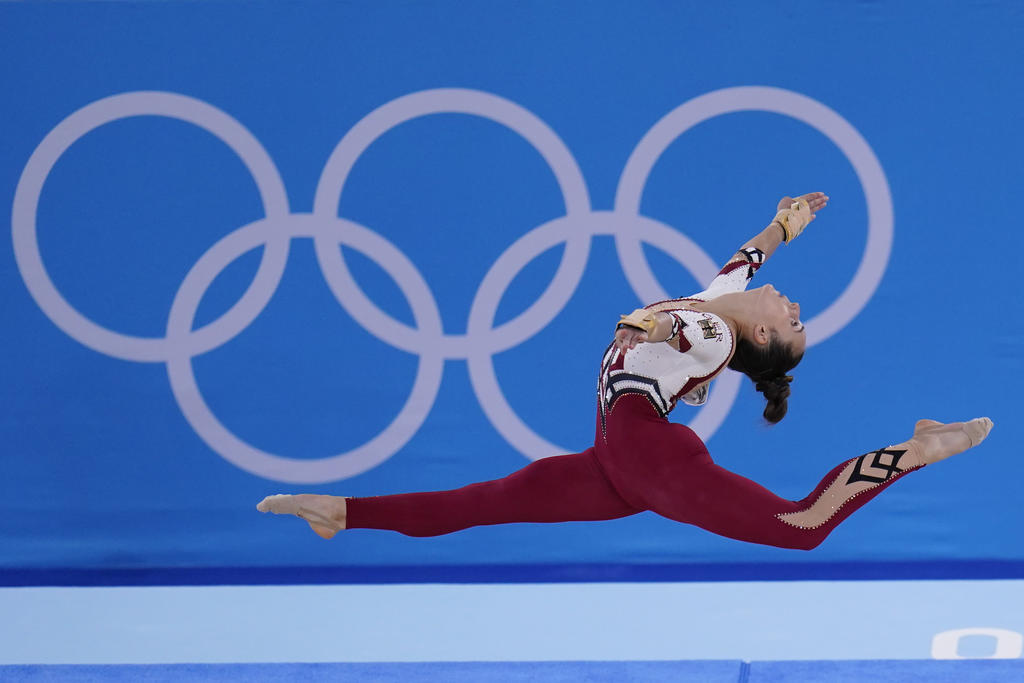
730, 308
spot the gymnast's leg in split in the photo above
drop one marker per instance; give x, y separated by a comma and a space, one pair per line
727, 504
693, 490
561, 488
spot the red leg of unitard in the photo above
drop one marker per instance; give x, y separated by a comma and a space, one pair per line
664, 467
643, 462
563, 488
727, 504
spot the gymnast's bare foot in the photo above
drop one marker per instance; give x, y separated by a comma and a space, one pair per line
325, 514
938, 441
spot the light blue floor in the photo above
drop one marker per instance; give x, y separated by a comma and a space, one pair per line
756, 621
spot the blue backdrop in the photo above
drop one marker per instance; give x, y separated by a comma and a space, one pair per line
184, 334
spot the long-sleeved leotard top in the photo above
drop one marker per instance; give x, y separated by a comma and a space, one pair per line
682, 366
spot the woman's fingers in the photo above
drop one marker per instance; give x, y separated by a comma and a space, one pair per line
815, 200
627, 338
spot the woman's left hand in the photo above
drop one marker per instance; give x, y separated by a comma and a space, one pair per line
816, 201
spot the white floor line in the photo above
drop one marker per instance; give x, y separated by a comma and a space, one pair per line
510, 622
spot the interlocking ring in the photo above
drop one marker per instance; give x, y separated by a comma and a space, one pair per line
427, 339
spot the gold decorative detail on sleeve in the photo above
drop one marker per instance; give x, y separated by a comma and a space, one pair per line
710, 328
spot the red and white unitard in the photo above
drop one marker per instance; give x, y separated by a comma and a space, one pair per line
641, 461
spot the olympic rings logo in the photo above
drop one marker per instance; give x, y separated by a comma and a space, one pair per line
427, 339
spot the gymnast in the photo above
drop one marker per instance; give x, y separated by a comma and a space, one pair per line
661, 354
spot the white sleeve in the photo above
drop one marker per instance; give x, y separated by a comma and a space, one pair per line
735, 275
702, 350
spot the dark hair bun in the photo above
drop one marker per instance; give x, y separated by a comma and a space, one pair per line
776, 390
766, 366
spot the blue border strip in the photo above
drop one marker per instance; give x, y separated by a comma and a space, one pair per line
555, 573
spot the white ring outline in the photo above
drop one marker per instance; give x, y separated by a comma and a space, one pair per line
452, 101
481, 363
113, 108
802, 108
300, 470
328, 231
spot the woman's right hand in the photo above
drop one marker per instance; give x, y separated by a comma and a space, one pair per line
628, 337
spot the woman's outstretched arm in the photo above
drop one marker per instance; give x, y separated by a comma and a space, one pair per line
792, 216
787, 224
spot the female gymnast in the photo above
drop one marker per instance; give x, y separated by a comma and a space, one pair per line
640, 461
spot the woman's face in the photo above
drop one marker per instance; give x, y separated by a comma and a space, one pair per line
782, 315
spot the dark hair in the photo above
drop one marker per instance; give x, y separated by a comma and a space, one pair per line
766, 365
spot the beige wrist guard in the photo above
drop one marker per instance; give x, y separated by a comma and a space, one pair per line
641, 319
794, 219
